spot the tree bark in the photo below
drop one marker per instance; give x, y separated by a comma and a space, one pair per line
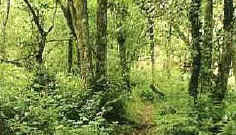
196, 54
206, 72
101, 43
70, 53
125, 69
152, 46
68, 16
225, 62
79, 12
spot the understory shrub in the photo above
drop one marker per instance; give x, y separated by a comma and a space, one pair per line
52, 103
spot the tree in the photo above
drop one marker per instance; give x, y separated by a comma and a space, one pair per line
101, 40
206, 72
196, 53
79, 12
226, 58
151, 26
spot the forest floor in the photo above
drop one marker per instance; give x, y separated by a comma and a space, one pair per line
148, 126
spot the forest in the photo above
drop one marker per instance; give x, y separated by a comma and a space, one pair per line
117, 67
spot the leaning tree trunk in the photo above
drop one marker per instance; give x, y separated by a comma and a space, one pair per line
206, 72
196, 54
101, 43
225, 62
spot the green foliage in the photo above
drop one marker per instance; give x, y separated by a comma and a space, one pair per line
47, 100
43, 81
148, 95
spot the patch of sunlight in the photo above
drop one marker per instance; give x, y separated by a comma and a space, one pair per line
232, 82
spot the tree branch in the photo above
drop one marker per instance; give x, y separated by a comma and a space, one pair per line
68, 16
53, 21
13, 62
5, 21
181, 34
7, 13
35, 17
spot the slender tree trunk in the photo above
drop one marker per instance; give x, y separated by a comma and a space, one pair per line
4, 34
125, 70
70, 53
225, 62
168, 53
196, 54
101, 43
152, 46
206, 72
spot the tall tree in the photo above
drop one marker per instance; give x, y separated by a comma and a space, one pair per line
196, 39
79, 12
101, 40
226, 59
206, 76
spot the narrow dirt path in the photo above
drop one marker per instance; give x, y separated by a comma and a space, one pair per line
147, 125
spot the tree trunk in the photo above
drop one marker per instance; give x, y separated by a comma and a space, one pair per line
168, 52
125, 70
5, 21
196, 54
206, 72
42, 43
68, 16
152, 46
234, 53
101, 43
81, 25
70, 53
225, 62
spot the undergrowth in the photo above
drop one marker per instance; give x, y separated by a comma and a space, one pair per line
45, 102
